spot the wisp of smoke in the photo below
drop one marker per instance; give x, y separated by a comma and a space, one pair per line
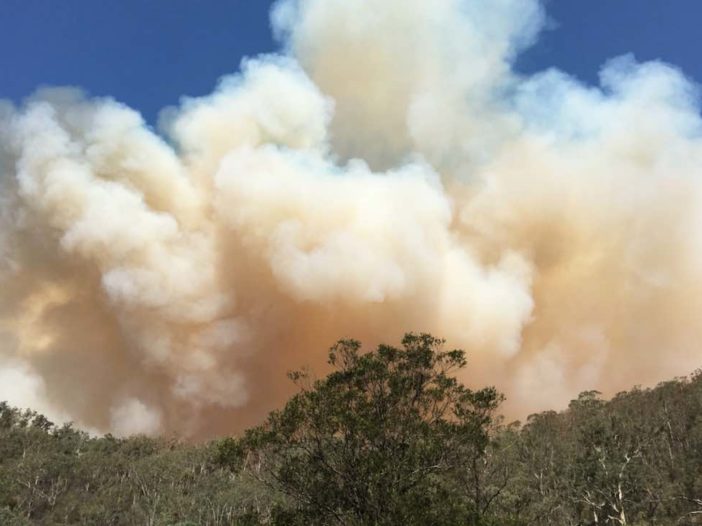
387, 171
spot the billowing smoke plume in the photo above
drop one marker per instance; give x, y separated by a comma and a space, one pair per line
387, 172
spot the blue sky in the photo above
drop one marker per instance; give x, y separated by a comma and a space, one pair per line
147, 53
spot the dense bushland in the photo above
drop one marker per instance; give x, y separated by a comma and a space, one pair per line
389, 437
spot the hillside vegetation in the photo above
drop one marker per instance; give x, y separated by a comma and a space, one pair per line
389, 437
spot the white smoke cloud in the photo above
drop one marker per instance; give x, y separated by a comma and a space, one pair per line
388, 172
133, 417
22, 388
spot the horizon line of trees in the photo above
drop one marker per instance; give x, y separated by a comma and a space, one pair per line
388, 437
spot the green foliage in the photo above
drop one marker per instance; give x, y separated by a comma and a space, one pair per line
57, 475
389, 437
636, 459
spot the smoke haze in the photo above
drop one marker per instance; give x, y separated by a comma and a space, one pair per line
387, 172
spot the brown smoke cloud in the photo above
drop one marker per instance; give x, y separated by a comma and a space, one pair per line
387, 172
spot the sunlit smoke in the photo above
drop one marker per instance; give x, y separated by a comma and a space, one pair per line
387, 172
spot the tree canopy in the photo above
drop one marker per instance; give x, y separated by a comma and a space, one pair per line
388, 437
